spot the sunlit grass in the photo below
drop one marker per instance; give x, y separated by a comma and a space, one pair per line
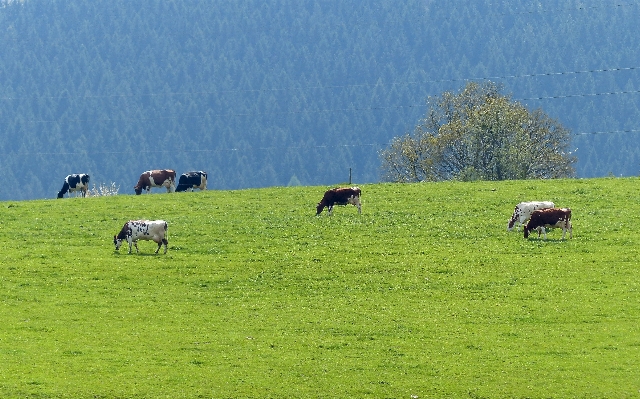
424, 294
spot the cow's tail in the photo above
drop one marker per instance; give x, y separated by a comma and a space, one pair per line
63, 191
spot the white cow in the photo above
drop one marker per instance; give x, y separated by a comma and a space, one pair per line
134, 230
523, 212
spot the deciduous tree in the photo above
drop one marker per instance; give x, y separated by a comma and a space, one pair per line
479, 134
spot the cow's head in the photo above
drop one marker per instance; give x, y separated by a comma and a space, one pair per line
320, 207
117, 242
137, 189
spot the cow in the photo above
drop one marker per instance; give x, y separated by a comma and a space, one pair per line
523, 210
550, 217
340, 196
149, 230
156, 178
191, 180
74, 183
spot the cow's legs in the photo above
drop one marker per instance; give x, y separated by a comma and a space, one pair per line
355, 201
543, 230
330, 209
171, 187
136, 245
163, 242
566, 227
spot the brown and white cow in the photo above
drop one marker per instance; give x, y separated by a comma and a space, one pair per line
191, 180
135, 230
551, 217
340, 196
156, 178
523, 211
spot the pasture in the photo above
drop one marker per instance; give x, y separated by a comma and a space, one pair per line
424, 295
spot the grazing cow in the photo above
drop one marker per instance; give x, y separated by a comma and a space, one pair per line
191, 180
551, 217
135, 230
523, 211
75, 182
156, 178
340, 196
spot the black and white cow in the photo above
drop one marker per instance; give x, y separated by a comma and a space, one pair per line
150, 230
523, 212
551, 217
74, 183
191, 180
340, 196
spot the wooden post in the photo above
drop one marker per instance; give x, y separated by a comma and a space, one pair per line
349, 176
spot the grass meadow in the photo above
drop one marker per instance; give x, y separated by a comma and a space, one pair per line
424, 295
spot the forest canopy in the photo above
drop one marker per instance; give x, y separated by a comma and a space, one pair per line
257, 93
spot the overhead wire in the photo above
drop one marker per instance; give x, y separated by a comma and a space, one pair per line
313, 111
326, 87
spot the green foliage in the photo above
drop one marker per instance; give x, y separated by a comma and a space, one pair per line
425, 294
479, 134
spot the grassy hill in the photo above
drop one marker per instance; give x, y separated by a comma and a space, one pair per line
425, 294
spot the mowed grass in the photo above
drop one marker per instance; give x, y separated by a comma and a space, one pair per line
423, 295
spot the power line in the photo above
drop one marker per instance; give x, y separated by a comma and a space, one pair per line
607, 132
579, 8
269, 148
608, 93
313, 111
219, 150
330, 87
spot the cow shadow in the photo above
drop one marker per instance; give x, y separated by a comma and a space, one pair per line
549, 240
118, 253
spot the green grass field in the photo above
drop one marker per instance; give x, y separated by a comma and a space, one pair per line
423, 295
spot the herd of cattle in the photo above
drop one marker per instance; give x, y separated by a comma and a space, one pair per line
540, 215
147, 181
134, 230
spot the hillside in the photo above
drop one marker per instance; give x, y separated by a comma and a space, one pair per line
425, 294
267, 94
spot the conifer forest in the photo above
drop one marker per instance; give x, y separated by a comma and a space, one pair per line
304, 92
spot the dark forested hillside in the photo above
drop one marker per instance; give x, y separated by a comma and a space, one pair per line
268, 93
